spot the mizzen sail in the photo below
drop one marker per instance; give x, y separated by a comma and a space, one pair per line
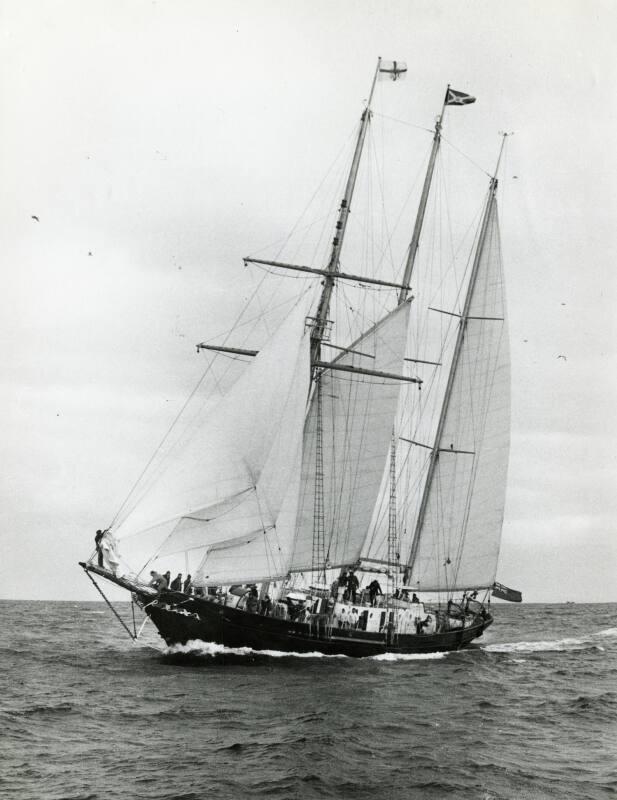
458, 534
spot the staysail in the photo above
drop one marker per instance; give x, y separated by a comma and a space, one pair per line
229, 478
357, 417
458, 533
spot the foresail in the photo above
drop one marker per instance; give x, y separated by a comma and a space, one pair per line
260, 555
260, 532
227, 475
357, 417
458, 542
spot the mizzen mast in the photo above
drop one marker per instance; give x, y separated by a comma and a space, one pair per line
452, 97
417, 228
462, 328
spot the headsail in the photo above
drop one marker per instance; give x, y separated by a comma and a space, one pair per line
458, 536
227, 478
357, 420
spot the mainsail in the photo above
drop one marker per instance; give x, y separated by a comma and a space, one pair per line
356, 420
458, 532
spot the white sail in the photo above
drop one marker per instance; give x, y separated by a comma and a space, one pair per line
260, 529
458, 544
357, 417
224, 475
260, 555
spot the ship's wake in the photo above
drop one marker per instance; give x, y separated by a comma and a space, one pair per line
196, 649
591, 641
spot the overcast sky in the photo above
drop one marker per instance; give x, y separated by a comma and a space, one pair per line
158, 142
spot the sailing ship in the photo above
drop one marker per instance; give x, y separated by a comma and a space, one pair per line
291, 496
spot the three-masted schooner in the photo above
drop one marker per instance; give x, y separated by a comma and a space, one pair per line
276, 490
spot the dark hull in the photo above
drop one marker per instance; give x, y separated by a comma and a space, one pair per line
209, 622
180, 619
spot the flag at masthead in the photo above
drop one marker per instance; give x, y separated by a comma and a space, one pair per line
454, 98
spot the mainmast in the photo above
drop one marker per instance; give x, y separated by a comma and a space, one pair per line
321, 316
417, 229
434, 457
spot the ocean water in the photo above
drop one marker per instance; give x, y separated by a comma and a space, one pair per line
530, 712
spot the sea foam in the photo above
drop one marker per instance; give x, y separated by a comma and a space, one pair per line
195, 647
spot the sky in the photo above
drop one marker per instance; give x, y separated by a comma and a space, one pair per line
159, 142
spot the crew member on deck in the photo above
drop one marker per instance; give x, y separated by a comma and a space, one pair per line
373, 590
352, 586
415, 598
343, 582
188, 585
158, 582
252, 601
176, 584
167, 577
421, 624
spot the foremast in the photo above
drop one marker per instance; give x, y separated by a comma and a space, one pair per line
320, 321
320, 325
462, 327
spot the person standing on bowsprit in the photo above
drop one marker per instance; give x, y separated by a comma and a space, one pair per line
98, 536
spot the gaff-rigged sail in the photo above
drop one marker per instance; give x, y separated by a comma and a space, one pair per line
459, 532
231, 476
356, 424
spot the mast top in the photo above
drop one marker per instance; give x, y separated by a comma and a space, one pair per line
504, 135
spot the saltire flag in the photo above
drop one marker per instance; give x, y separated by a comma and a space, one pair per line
392, 70
454, 98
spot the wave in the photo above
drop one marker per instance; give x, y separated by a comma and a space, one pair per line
407, 656
557, 645
59, 708
195, 647
608, 633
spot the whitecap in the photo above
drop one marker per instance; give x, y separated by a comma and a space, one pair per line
607, 633
407, 656
558, 645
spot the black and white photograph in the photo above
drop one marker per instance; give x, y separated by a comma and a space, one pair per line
309, 391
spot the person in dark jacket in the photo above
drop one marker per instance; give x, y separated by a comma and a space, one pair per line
373, 590
252, 601
99, 550
167, 577
176, 584
353, 584
188, 585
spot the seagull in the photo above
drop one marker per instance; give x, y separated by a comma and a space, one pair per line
34, 216
564, 358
